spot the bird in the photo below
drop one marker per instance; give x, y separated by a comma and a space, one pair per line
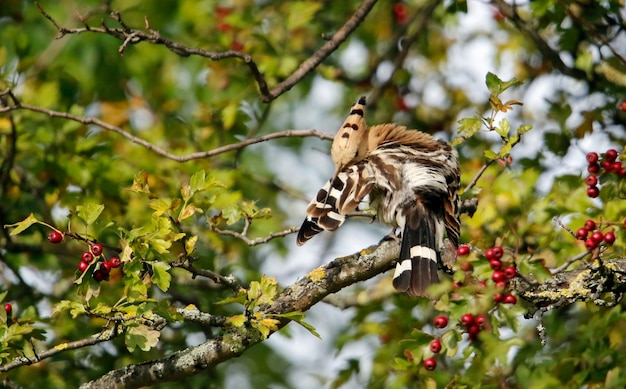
412, 180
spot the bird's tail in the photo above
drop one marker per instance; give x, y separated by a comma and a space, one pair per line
419, 257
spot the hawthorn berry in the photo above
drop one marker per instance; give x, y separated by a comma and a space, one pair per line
441, 321
500, 285
610, 155
592, 157
590, 224
115, 262
582, 233
401, 13
481, 320
495, 264
435, 346
597, 237
490, 254
624, 224
466, 266
55, 237
510, 299
106, 267
82, 266
467, 319
498, 297
497, 276
593, 192
463, 250
498, 252
473, 330
96, 249
591, 180
509, 272
593, 168
609, 237
430, 364
8, 308
590, 244
607, 165
99, 275
87, 257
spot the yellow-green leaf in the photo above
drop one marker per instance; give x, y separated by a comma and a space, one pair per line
236, 320
89, 212
24, 224
160, 275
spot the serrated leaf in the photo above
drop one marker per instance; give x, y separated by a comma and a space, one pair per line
300, 13
503, 128
22, 225
185, 191
269, 288
254, 291
161, 206
140, 183
187, 211
197, 181
469, 126
141, 336
190, 244
490, 155
236, 320
161, 277
89, 212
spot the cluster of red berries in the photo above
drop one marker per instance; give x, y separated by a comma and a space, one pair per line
593, 237
501, 274
609, 164
94, 255
104, 266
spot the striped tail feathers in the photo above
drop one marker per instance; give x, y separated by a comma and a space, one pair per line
337, 198
419, 259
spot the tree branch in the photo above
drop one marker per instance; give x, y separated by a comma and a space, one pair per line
88, 120
300, 296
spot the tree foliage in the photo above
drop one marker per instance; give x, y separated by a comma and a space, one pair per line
170, 133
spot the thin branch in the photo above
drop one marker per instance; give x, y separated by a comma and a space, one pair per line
193, 314
101, 337
320, 55
253, 242
87, 120
478, 175
229, 281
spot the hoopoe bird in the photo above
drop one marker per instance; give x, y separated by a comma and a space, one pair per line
412, 181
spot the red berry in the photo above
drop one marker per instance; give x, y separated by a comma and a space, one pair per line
510, 299
481, 320
609, 237
82, 266
408, 355
509, 272
610, 155
490, 254
591, 180
590, 224
482, 284
467, 319
115, 262
400, 11
607, 165
593, 168
401, 104
8, 308
597, 237
430, 364
441, 321
616, 167
590, 244
624, 224
582, 233
622, 106
435, 346
593, 192
592, 157
99, 275
498, 252
497, 276
55, 237
473, 331
463, 250
87, 257
96, 249
500, 285
498, 297
106, 267
495, 264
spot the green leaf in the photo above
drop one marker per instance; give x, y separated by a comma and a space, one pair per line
187, 211
140, 183
494, 84
300, 13
160, 275
141, 336
89, 212
24, 224
503, 128
198, 181
490, 155
236, 320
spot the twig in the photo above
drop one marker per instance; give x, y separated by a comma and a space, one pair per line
228, 281
253, 242
193, 314
478, 175
327, 49
569, 261
87, 120
103, 336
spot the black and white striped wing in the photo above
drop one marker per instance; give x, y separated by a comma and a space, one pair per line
337, 198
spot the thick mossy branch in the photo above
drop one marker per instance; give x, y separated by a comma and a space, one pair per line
299, 296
